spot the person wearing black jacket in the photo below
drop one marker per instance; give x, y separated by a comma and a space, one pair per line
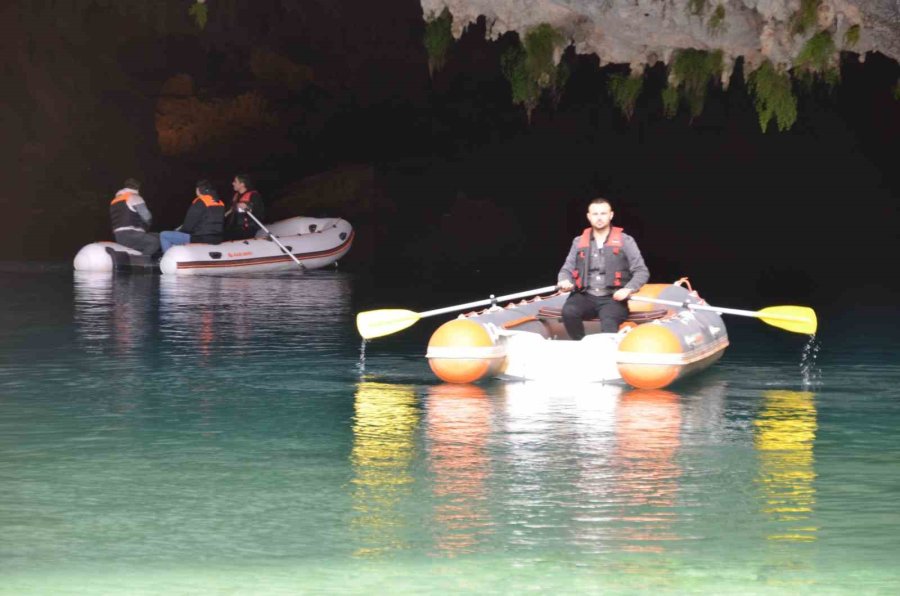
203, 223
603, 268
239, 225
131, 219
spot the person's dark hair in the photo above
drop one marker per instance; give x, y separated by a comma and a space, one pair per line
245, 180
600, 201
205, 187
133, 184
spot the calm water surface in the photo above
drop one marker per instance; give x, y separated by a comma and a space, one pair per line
224, 435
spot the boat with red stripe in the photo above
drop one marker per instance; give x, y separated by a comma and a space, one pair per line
313, 242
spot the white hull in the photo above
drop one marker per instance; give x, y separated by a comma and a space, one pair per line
97, 257
527, 341
315, 242
530, 357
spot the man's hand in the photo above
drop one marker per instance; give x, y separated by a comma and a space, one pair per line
565, 285
622, 294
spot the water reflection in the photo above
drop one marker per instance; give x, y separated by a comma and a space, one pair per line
384, 425
232, 317
785, 433
113, 313
458, 430
537, 465
598, 460
648, 435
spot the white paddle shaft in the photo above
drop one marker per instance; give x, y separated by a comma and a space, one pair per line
717, 309
440, 311
273, 237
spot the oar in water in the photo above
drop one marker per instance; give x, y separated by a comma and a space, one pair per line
378, 323
273, 237
798, 319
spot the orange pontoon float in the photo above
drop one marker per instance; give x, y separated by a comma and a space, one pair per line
671, 332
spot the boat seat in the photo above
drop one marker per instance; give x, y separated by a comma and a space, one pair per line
633, 317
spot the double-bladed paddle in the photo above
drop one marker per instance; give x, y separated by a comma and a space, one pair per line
378, 323
798, 319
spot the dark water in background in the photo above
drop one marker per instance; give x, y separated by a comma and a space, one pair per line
221, 435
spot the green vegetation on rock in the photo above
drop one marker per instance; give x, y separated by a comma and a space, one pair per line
805, 17
773, 96
437, 39
200, 13
818, 59
696, 7
716, 24
530, 67
691, 71
670, 101
624, 90
851, 36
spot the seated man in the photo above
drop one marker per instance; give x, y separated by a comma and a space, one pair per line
131, 219
238, 225
604, 267
203, 222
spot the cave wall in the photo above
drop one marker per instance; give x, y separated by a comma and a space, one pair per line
82, 84
445, 178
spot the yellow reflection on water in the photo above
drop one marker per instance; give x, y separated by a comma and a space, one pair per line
384, 424
785, 433
458, 428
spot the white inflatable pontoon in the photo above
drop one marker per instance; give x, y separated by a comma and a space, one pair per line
315, 242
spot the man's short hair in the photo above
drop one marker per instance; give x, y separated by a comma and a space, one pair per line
245, 180
133, 184
599, 201
205, 187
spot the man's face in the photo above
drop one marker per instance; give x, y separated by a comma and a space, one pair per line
237, 185
599, 214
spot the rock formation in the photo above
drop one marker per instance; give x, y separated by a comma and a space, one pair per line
643, 32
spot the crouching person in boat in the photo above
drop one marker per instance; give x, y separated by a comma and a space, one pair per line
239, 225
131, 219
604, 267
203, 222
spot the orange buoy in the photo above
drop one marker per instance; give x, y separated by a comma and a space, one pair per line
462, 351
650, 357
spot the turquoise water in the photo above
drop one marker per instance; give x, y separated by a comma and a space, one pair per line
226, 436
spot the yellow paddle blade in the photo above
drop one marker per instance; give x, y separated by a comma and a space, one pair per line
799, 319
378, 323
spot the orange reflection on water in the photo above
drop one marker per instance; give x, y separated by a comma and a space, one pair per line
648, 435
384, 424
785, 432
458, 427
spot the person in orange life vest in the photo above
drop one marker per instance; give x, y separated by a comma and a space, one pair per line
604, 267
131, 219
203, 222
239, 225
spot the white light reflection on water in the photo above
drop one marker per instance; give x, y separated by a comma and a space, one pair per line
114, 314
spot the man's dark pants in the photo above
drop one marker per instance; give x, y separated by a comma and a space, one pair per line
581, 305
146, 242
